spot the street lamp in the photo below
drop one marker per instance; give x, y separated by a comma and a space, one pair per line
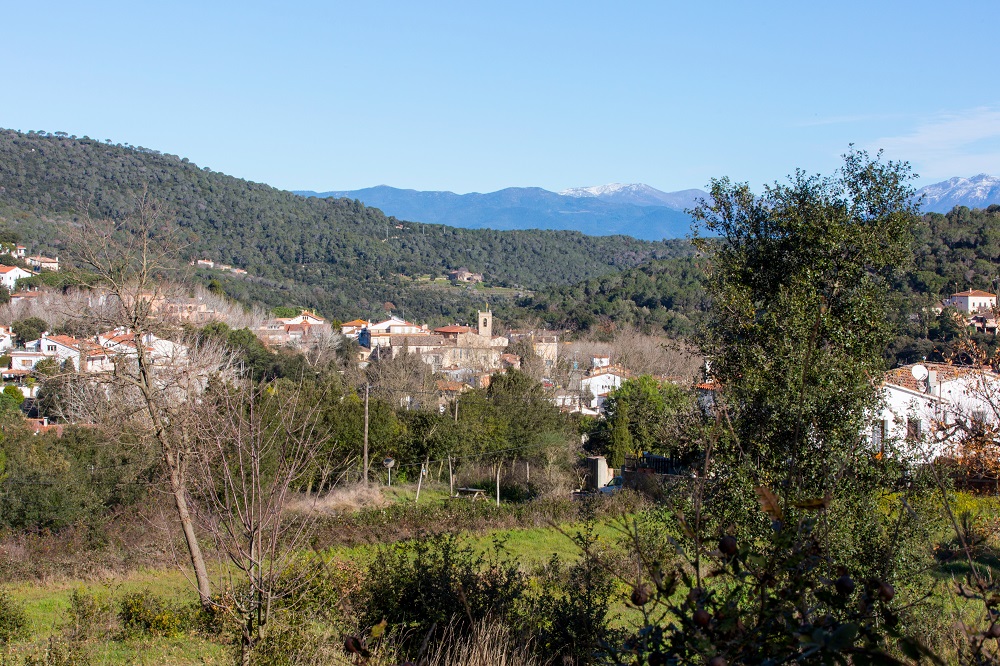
389, 462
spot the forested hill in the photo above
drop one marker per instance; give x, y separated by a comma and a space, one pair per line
952, 252
667, 295
333, 254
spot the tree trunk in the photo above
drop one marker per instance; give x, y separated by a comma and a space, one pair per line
172, 459
187, 525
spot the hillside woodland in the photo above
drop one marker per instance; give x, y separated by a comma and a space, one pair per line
334, 255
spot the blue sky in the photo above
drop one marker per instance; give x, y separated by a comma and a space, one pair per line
476, 96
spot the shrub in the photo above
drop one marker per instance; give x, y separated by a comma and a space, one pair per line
427, 584
13, 619
288, 642
570, 613
147, 613
90, 615
57, 652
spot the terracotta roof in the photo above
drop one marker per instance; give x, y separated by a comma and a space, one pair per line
8, 269
64, 340
452, 329
452, 387
708, 386
975, 292
903, 376
356, 322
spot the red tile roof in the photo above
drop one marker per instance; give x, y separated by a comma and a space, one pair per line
975, 292
903, 376
65, 340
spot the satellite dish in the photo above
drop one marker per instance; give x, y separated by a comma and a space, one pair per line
919, 372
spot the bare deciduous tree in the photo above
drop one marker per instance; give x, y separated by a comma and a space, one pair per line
257, 447
131, 259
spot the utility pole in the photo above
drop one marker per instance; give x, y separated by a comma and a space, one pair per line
499, 465
365, 463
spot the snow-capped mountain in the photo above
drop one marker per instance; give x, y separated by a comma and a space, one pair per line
638, 194
635, 210
976, 192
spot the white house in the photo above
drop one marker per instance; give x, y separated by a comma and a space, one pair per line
6, 338
396, 326
23, 361
121, 342
925, 403
305, 317
351, 329
61, 348
600, 382
9, 275
43, 263
973, 300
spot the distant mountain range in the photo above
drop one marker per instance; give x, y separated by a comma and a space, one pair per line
636, 210
976, 192
633, 209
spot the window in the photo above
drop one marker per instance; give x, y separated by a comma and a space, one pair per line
51, 348
912, 428
878, 436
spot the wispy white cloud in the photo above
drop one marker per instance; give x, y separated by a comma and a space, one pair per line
950, 144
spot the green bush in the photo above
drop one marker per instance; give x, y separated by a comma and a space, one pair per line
57, 652
13, 619
147, 613
289, 642
429, 583
89, 614
569, 616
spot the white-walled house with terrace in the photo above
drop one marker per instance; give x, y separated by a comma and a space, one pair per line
926, 404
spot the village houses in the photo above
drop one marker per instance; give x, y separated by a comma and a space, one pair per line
925, 402
9, 275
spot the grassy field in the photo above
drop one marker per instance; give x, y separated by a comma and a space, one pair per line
47, 604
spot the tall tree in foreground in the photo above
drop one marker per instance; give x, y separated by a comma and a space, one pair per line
794, 543
131, 258
800, 278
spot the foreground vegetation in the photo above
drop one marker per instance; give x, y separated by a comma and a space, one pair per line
782, 538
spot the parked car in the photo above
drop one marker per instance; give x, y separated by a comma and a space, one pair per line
613, 486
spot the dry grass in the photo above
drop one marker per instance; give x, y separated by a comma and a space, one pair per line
488, 644
340, 500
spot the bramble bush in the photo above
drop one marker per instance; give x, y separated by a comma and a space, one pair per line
13, 619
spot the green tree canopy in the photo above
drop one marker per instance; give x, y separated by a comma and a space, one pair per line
800, 278
638, 415
29, 329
